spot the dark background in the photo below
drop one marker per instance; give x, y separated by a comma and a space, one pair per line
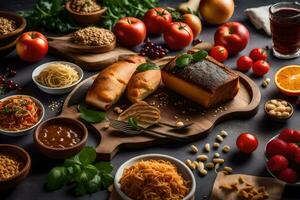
33, 187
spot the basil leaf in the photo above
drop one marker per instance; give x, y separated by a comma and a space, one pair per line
72, 161
200, 55
90, 116
107, 180
56, 178
183, 60
104, 167
80, 189
91, 169
133, 123
147, 66
87, 155
94, 185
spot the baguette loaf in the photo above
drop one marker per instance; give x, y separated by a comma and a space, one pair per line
142, 84
110, 84
207, 82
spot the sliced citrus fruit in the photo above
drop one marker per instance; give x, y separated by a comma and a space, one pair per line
287, 80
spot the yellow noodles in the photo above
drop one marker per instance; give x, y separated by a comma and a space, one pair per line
57, 75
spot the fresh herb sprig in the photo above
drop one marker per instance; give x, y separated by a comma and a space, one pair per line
82, 173
133, 123
90, 115
185, 59
49, 15
147, 66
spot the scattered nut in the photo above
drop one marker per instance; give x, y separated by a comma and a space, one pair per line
203, 172
218, 160
223, 133
202, 157
200, 166
118, 110
226, 149
216, 155
106, 126
216, 145
194, 149
207, 147
219, 138
179, 124
228, 169
209, 165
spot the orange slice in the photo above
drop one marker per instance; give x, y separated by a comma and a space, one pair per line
287, 80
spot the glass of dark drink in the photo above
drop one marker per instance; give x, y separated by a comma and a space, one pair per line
285, 29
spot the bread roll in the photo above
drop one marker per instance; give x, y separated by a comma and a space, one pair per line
142, 84
207, 82
110, 84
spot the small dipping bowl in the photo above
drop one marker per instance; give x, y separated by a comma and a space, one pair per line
185, 172
85, 19
272, 174
24, 157
275, 117
27, 130
60, 90
61, 152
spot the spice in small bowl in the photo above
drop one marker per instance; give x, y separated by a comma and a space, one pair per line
7, 25
278, 109
85, 6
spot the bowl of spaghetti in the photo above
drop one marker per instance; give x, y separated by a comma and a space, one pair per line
19, 114
57, 77
154, 176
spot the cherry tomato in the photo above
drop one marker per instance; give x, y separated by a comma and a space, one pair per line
258, 54
219, 53
130, 31
260, 67
178, 35
244, 63
157, 19
246, 143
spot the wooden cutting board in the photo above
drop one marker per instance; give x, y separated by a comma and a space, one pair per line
173, 107
88, 61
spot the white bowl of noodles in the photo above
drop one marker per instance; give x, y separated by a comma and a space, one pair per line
57, 77
19, 114
137, 178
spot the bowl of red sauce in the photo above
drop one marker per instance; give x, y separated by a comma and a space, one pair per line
60, 137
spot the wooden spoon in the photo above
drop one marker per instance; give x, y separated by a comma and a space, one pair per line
65, 42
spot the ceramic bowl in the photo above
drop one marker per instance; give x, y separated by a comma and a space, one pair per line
182, 169
27, 130
279, 119
85, 19
61, 90
24, 156
272, 174
60, 153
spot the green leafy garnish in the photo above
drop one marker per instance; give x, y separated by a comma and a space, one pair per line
133, 123
89, 115
185, 59
200, 55
147, 66
80, 171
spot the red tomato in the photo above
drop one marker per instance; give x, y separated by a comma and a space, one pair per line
178, 35
219, 53
157, 19
260, 67
130, 31
32, 46
234, 36
244, 63
258, 54
246, 143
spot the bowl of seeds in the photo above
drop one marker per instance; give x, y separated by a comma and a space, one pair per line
278, 109
85, 12
15, 164
11, 26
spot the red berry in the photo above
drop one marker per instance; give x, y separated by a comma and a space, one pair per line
277, 163
291, 149
287, 135
260, 68
244, 63
276, 147
288, 175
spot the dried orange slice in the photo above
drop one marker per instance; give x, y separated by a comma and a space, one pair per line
287, 80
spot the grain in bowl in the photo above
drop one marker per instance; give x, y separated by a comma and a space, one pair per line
93, 36
10, 166
85, 6
7, 26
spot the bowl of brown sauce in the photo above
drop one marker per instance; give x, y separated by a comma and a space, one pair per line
60, 137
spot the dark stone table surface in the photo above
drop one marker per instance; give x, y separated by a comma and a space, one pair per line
33, 187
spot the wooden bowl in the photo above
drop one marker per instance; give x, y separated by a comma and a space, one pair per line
61, 153
12, 36
24, 156
8, 48
279, 119
85, 19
